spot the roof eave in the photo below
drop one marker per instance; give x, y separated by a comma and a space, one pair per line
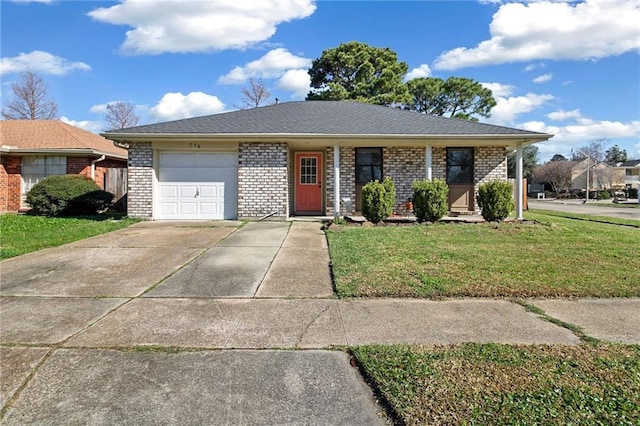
140, 137
61, 151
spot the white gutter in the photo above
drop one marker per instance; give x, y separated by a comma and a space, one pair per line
93, 166
59, 151
124, 137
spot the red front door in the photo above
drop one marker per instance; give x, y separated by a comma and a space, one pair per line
308, 182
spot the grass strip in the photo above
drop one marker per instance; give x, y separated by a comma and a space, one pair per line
506, 384
21, 234
581, 216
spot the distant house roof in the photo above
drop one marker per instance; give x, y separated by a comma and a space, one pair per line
630, 163
336, 118
43, 136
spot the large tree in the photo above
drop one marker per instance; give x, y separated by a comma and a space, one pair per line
529, 162
31, 100
558, 157
254, 95
615, 155
555, 173
121, 115
357, 71
455, 97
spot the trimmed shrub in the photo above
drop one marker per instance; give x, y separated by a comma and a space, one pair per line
66, 195
430, 199
496, 200
632, 192
604, 195
378, 200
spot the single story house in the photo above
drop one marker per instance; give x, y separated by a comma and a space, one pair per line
31, 150
305, 158
601, 176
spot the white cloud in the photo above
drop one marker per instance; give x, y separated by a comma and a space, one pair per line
88, 125
499, 89
273, 64
99, 109
532, 67
507, 109
580, 132
545, 30
637, 153
296, 81
42, 62
562, 115
543, 78
199, 26
422, 71
174, 106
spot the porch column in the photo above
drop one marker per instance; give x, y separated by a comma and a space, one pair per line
336, 177
519, 189
428, 162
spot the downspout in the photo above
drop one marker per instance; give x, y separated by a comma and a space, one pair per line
93, 166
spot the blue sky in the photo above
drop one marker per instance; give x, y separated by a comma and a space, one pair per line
567, 68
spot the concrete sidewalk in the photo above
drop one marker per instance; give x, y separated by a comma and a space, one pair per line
177, 322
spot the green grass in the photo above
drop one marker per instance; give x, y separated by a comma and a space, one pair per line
557, 257
501, 384
20, 234
592, 218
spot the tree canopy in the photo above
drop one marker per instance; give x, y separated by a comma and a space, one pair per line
529, 162
455, 97
357, 71
31, 99
558, 157
615, 155
254, 95
121, 115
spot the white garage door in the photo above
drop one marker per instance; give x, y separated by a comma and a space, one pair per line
198, 186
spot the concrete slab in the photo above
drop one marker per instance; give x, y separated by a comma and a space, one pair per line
220, 272
258, 234
306, 235
166, 236
218, 323
453, 321
615, 320
188, 224
36, 320
193, 388
298, 272
90, 272
16, 363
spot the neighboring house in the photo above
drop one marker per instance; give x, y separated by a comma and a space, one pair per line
631, 171
305, 158
31, 150
601, 176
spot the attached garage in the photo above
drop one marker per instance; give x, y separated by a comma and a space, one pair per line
202, 185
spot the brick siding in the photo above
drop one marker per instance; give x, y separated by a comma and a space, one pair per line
10, 183
263, 180
404, 165
140, 187
490, 164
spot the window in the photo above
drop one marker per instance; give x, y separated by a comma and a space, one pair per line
459, 165
308, 170
368, 165
37, 167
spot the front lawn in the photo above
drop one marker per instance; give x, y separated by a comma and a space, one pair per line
557, 257
20, 234
501, 384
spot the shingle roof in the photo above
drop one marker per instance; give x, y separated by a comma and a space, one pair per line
630, 163
54, 135
324, 117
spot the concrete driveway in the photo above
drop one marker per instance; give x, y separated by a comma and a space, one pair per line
168, 322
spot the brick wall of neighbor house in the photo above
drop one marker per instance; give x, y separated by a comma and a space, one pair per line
10, 183
82, 166
490, 164
140, 187
263, 180
347, 178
